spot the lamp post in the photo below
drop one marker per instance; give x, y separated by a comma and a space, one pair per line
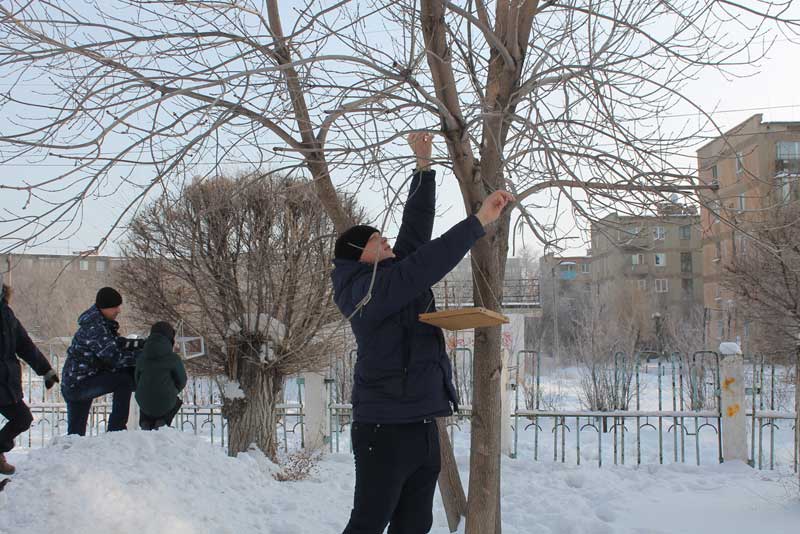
556, 286
557, 341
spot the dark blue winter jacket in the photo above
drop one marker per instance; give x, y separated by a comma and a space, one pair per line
403, 373
95, 348
15, 342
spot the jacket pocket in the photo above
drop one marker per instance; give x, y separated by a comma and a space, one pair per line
380, 383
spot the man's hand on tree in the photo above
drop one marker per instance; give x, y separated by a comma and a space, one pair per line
493, 206
421, 144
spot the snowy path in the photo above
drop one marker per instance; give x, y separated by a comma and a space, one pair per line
171, 482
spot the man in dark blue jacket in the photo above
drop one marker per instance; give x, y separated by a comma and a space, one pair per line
403, 378
14, 343
99, 361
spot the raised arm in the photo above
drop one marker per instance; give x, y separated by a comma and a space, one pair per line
406, 279
420, 209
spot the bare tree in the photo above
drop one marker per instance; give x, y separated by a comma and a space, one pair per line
245, 262
764, 275
607, 336
560, 102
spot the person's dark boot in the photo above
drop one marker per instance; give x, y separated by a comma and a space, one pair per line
3, 483
5, 467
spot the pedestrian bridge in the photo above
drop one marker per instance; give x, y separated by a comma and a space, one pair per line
520, 294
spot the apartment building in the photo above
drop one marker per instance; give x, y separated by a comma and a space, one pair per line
657, 257
50, 291
565, 280
755, 165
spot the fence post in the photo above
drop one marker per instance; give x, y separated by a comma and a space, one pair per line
133, 414
315, 407
797, 409
506, 436
734, 431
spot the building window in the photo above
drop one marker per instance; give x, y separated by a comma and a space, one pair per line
585, 268
660, 259
659, 233
686, 231
84, 265
720, 328
687, 286
714, 173
686, 262
740, 244
717, 251
788, 151
637, 259
714, 208
642, 284
717, 293
784, 188
739, 163
100, 266
662, 285
741, 203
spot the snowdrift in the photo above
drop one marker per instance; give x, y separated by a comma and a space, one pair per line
171, 482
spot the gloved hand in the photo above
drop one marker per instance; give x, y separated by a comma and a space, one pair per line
50, 379
125, 343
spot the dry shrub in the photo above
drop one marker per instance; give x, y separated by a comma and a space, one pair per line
298, 465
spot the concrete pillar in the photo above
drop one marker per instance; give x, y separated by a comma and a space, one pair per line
506, 389
734, 429
315, 409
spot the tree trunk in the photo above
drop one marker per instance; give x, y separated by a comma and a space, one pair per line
483, 515
252, 420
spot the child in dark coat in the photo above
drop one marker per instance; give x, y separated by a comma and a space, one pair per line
160, 377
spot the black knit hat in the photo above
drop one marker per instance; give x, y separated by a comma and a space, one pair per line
352, 242
163, 328
108, 297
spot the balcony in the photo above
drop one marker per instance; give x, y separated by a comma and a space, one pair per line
634, 243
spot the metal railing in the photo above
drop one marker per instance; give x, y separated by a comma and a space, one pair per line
686, 407
673, 377
767, 410
201, 412
517, 292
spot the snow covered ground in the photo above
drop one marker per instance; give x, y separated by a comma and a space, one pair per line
173, 482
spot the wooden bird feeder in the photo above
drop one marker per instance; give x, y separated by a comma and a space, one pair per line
463, 318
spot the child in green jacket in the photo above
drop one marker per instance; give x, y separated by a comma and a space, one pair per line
160, 377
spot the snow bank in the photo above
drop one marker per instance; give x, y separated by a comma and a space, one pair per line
171, 482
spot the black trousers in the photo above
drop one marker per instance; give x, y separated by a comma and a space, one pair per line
79, 402
149, 422
397, 467
19, 420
